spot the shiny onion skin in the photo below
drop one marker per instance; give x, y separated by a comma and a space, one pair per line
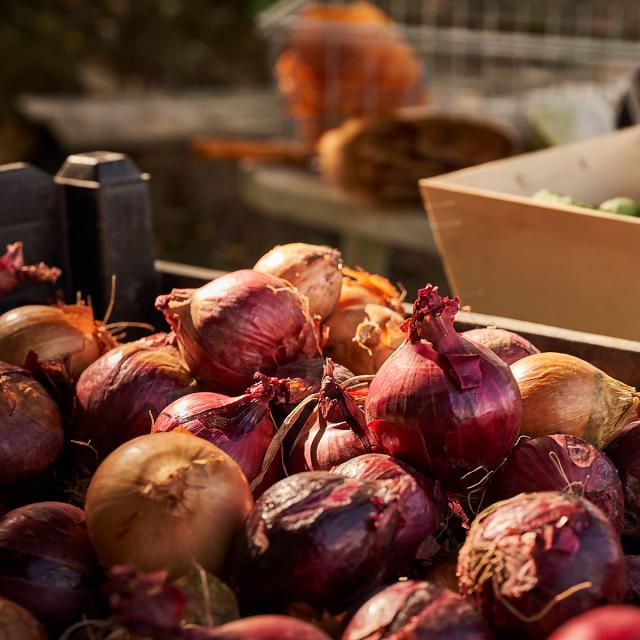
31, 433
314, 270
271, 627
508, 346
442, 403
412, 610
317, 538
242, 426
163, 500
238, 324
613, 622
561, 463
16, 623
562, 393
121, 393
534, 561
47, 564
624, 452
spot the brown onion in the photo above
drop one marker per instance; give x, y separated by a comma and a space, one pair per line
508, 346
360, 288
314, 270
564, 394
17, 623
13, 270
163, 500
67, 332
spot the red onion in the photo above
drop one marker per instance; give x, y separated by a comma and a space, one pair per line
633, 574
508, 346
267, 628
533, 562
13, 270
242, 427
624, 452
31, 434
317, 538
18, 623
47, 564
442, 403
243, 322
121, 393
614, 622
561, 463
413, 610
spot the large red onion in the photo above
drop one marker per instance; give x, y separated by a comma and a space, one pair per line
613, 622
561, 463
414, 610
624, 452
442, 403
17, 623
120, 394
47, 564
31, 434
242, 426
508, 346
243, 322
534, 561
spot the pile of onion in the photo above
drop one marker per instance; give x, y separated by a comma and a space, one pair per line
314, 270
163, 500
507, 345
31, 434
442, 403
565, 394
121, 393
534, 561
47, 564
561, 463
613, 622
16, 622
238, 324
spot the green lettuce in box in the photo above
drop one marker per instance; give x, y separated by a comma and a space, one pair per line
621, 205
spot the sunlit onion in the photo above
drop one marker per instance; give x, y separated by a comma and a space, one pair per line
17, 623
613, 622
361, 288
507, 345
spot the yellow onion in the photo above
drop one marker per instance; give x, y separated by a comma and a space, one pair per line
67, 332
361, 338
564, 394
314, 270
164, 500
360, 287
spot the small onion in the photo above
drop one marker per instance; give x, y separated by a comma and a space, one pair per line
67, 332
314, 270
17, 623
121, 393
613, 622
241, 323
414, 610
13, 270
508, 346
163, 500
47, 564
561, 463
564, 394
31, 434
534, 561
270, 627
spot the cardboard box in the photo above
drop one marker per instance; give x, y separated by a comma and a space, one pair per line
508, 255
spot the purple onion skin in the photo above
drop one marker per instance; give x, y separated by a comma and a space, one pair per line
47, 564
414, 610
613, 622
272, 627
508, 346
317, 538
31, 433
122, 392
534, 561
534, 466
442, 403
624, 452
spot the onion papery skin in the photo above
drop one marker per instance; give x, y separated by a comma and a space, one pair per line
360, 288
314, 270
16, 623
162, 500
624, 452
31, 433
68, 333
317, 538
14, 272
507, 345
443, 404
119, 396
613, 622
534, 561
267, 627
564, 394
239, 324
413, 610
305, 377
47, 564
561, 463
